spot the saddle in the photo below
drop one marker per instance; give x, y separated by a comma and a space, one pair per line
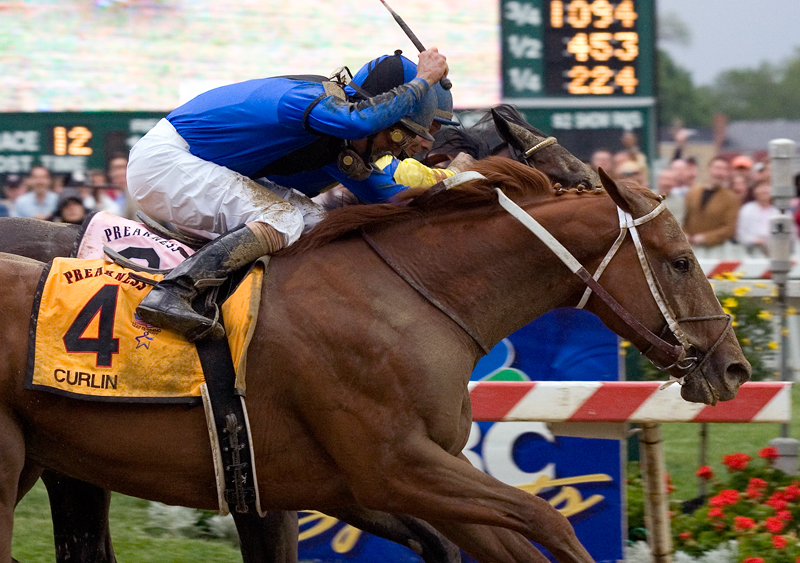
223, 392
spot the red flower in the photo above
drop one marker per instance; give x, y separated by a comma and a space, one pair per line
736, 462
742, 523
792, 491
770, 453
755, 560
704, 472
774, 524
784, 515
755, 488
779, 542
668, 483
776, 501
725, 497
716, 513
685, 535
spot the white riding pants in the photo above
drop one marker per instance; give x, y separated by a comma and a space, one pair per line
171, 184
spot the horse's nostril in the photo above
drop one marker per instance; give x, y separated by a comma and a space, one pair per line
738, 373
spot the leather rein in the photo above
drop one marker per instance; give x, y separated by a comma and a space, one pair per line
684, 355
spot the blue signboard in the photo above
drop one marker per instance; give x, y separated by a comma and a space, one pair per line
582, 478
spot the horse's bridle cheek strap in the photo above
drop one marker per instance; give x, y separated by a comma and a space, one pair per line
539, 146
674, 352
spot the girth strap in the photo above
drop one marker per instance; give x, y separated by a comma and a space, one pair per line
231, 424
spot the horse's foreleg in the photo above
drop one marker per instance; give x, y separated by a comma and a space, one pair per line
410, 532
80, 520
487, 543
12, 461
417, 477
271, 539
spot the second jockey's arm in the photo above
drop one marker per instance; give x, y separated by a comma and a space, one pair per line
432, 66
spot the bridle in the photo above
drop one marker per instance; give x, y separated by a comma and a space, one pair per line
684, 356
539, 146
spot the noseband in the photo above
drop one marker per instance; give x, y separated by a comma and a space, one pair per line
684, 356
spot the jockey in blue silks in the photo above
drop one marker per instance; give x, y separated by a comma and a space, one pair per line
196, 168
393, 174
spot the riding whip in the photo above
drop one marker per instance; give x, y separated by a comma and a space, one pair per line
445, 82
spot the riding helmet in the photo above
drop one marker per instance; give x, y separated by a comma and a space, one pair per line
389, 71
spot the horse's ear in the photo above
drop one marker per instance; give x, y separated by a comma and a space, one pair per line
616, 192
513, 134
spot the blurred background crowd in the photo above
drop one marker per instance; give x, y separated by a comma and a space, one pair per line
39, 194
723, 201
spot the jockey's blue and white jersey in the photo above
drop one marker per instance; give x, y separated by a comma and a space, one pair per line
259, 129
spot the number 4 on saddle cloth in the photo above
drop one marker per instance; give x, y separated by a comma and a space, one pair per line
87, 342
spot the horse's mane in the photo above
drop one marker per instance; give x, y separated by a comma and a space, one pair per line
514, 179
477, 144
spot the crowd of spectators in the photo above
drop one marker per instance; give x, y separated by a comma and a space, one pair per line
726, 215
69, 198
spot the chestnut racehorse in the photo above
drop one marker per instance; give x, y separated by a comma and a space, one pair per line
358, 370
80, 510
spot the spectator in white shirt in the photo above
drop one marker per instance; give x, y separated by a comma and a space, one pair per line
41, 201
752, 227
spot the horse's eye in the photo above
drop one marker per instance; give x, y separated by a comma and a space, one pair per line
682, 265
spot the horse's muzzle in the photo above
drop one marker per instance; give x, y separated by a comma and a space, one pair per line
698, 388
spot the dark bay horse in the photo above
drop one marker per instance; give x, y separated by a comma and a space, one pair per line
503, 131
367, 394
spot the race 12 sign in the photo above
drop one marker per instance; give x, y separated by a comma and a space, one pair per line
582, 478
66, 142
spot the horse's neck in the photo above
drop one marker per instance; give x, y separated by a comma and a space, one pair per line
494, 273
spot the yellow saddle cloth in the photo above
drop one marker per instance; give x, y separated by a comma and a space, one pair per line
87, 342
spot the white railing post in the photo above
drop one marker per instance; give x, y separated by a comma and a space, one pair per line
782, 153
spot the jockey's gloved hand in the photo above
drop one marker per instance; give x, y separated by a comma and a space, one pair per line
461, 163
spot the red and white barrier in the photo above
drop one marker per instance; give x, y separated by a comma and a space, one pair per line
622, 401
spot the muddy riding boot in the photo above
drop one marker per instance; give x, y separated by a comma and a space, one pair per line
169, 303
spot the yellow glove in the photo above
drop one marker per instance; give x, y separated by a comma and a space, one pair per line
413, 173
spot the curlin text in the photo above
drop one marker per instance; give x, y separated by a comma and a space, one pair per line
84, 379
